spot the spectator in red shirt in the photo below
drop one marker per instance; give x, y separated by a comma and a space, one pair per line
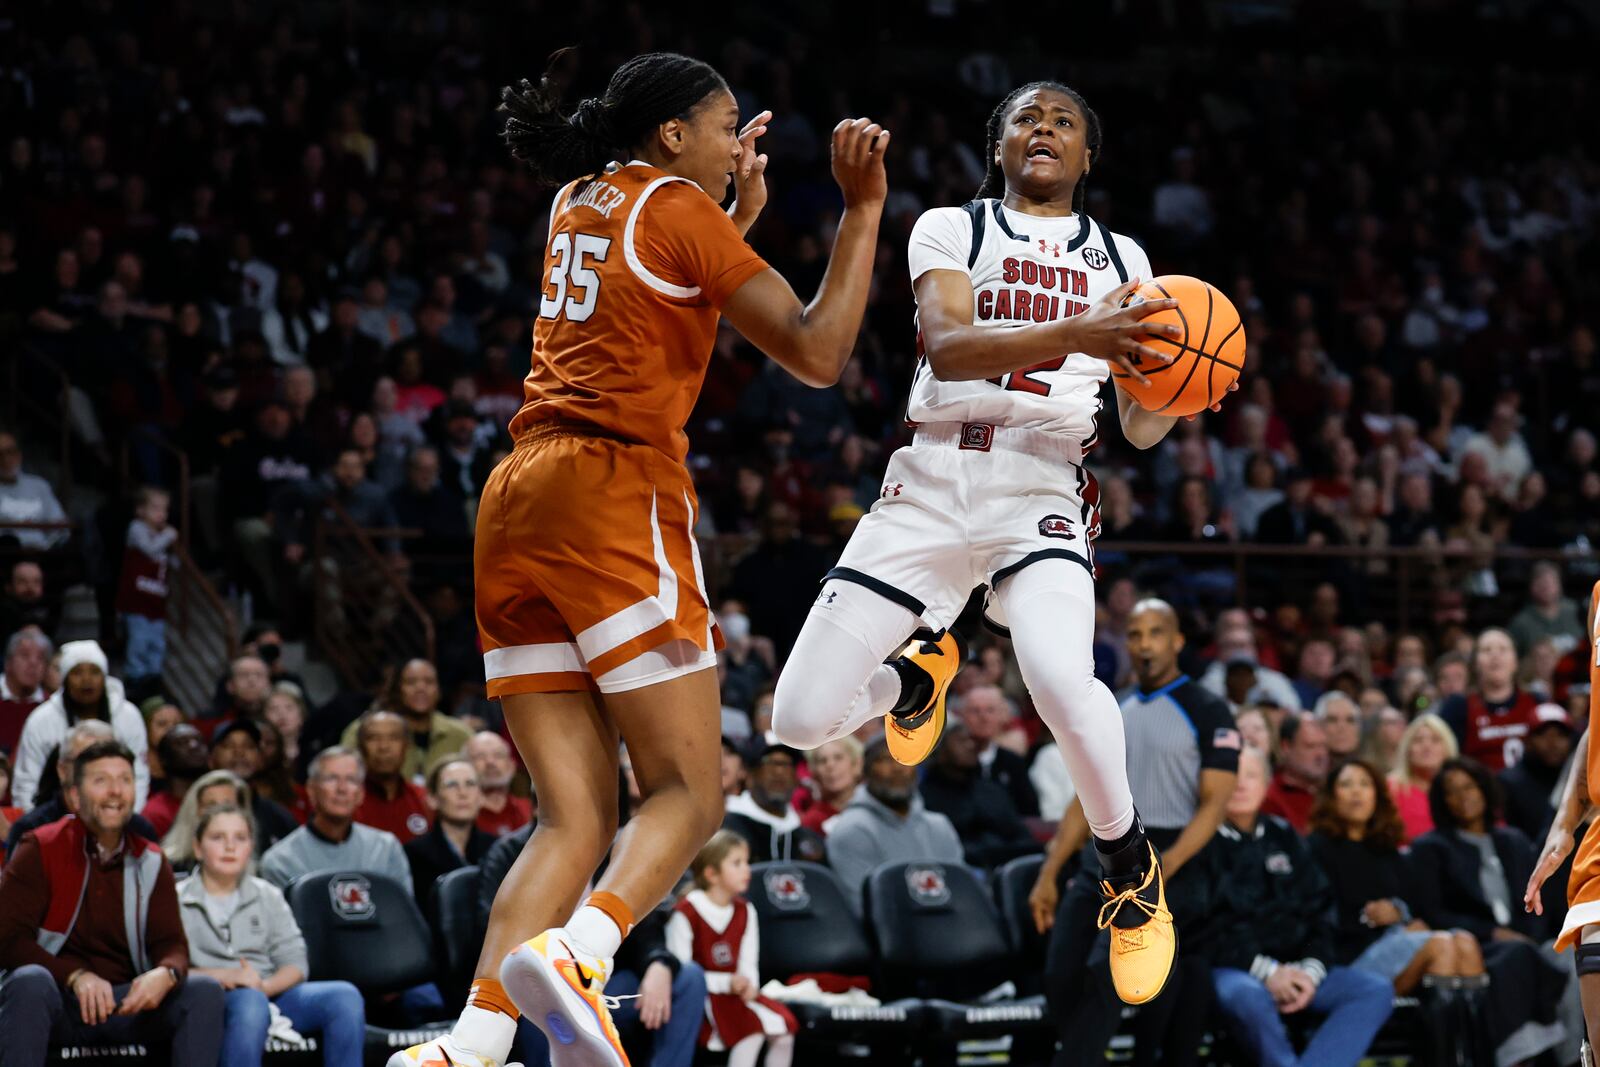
184, 758
21, 683
1302, 770
391, 802
501, 812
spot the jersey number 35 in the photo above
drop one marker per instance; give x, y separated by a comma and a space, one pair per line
573, 286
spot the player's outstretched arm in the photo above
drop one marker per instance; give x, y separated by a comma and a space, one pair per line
958, 351
814, 341
1570, 814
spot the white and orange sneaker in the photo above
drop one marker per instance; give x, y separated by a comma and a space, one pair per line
562, 992
442, 1052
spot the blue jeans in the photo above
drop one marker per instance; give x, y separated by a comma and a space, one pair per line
1356, 1005
147, 647
674, 1044
332, 1011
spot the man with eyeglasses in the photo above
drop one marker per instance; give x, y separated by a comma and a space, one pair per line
332, 838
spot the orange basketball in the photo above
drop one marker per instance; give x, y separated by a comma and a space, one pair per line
1206, 359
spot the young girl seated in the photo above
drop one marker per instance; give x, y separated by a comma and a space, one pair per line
716, 927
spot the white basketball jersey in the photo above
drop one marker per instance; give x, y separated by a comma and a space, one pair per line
1024, 269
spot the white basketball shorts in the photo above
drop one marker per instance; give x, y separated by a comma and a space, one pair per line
968, 505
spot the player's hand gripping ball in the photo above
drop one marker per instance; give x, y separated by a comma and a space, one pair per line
1206, 360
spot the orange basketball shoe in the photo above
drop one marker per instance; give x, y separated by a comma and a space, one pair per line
914, 725
563, 994
442, 1052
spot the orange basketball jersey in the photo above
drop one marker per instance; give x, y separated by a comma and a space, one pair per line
637, 264
1594, 692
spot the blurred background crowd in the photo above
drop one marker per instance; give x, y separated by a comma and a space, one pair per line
267, 279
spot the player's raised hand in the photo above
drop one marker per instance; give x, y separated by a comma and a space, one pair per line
858, 147
749, 180
1113, 333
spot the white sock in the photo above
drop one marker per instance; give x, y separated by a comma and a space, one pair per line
780, 1051
485, 1033
594, 932
746, 1052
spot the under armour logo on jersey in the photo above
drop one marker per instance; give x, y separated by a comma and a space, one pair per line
1047, 246
827, 599
893, 488
1096, 258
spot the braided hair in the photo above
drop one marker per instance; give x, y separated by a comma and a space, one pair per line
644, 92
994, 179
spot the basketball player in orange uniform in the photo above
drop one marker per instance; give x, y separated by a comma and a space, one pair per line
1578, 802
591, 605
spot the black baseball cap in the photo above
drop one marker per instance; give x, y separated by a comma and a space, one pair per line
762, 747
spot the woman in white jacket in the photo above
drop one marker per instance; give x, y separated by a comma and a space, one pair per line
87, 692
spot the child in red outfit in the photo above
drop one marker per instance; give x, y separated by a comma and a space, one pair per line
716, 927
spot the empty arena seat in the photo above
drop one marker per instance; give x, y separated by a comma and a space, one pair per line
459, 933
940, 937
807, 927
806, 923
1012, 885
937, 930
363, 928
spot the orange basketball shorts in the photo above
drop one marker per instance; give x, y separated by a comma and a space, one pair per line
585, 560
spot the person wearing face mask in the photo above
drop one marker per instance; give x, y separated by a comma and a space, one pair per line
242, 934
87, 692
763, 813
747, 664
90, 934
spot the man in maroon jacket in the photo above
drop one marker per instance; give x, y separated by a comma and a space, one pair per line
86, 964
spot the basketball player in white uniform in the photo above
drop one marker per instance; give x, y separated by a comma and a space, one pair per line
1019, 324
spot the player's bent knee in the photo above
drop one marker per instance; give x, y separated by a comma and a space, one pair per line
802, 712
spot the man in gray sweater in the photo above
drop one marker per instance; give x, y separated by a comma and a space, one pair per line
27, 498
332, 838
886, 823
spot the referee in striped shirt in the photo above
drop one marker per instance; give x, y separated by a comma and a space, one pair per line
1183, 755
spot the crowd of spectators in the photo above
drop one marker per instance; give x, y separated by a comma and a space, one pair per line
288, 244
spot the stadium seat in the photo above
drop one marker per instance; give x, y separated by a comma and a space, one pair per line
1012, 884
807, 927
366, 929
459, 935
939, 936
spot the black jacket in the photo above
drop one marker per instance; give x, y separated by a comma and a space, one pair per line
1283, 524
432, 855
647, 943
990, 829
1359, 874
1449, 892
1527, 788
1010, 771
768, 843
1269, 898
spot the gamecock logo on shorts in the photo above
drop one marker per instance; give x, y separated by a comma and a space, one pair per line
927, 886
977, 436
1096, 258
1057, 526
787, 890
352, 897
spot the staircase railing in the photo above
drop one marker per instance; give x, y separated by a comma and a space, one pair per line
365, 618
202, 635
